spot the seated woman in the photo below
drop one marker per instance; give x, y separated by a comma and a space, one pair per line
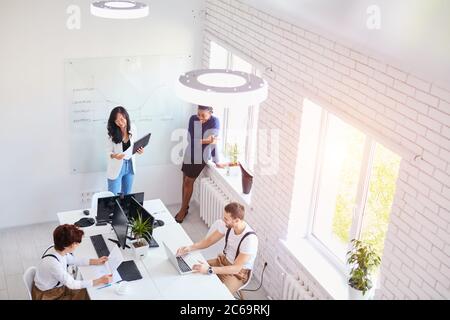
52, 280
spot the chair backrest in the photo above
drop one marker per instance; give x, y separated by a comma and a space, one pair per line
98, 195
28, 279
248, 281
239, 293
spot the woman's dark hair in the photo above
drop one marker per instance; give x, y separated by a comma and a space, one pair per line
206, 108
66, 235
114, 131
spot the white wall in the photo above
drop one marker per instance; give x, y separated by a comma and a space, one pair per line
413, 34
34, 172
409, 112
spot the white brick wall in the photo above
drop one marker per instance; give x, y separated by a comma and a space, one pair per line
410, 111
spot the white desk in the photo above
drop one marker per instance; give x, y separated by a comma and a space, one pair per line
171, 284
155, 207
160, 280
143, 289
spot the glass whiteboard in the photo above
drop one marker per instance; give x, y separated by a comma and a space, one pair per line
144, 85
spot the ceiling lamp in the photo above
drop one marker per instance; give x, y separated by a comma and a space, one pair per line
120, 9
220, 87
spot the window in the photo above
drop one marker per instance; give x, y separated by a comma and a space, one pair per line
238, 124
346, 184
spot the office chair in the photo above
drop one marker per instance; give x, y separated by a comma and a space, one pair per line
96, 196
28, 279
238, 293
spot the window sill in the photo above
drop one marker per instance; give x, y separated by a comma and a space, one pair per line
233, 182
332, 280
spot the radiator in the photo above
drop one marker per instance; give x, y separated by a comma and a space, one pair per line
297, 287
212, 201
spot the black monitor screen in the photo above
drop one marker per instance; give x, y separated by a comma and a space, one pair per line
137, 209
105, 208
120, 225
126, 201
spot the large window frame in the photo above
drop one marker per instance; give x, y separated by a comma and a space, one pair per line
252, 115
359, 209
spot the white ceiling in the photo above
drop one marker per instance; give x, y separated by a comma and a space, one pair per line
414, 34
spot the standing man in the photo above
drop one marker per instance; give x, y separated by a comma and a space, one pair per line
203, 132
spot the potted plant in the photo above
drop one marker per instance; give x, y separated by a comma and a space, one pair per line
362, 260
140, 228
232, 151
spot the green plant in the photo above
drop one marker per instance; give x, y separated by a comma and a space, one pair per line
363, 260
140, 228
232, 151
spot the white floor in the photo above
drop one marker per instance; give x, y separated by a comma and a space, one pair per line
22, 247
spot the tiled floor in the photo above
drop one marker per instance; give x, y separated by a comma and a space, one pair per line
22, 247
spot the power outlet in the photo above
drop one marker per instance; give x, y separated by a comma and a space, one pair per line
86, 198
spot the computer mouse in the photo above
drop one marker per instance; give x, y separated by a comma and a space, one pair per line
158, 223
86, 212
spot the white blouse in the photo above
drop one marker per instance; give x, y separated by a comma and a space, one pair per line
51, 271
114, 165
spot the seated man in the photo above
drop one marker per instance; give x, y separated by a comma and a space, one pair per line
234, 265
52, 280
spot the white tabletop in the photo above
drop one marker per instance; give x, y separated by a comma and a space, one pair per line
172, 285
143, 289
160, 279
155, 207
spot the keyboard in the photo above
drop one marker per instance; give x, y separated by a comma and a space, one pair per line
184, 267
151, 241
100, 246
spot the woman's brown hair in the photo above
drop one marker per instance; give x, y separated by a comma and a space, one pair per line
66, 235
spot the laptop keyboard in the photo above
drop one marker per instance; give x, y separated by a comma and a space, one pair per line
100, 246
184, 267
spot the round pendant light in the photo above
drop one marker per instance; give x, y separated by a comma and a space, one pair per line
221, 87
119, 9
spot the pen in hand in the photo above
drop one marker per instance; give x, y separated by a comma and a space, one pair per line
108, 285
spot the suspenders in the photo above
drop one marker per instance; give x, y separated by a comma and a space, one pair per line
53, 256
239, 246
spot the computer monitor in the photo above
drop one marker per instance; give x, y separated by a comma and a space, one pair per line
137, 209
120, 225
105, 208
126, 200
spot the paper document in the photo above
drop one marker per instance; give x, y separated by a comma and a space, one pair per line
114, 260
95, 272
128, 153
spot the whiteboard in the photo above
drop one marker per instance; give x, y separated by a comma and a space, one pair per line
144, 85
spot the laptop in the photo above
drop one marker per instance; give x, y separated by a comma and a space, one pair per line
182, 266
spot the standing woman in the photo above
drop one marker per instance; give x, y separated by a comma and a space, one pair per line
121, 167
203, 132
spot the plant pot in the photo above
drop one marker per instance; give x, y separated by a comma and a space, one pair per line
247, 180
140, 248
354, 294
233, 169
